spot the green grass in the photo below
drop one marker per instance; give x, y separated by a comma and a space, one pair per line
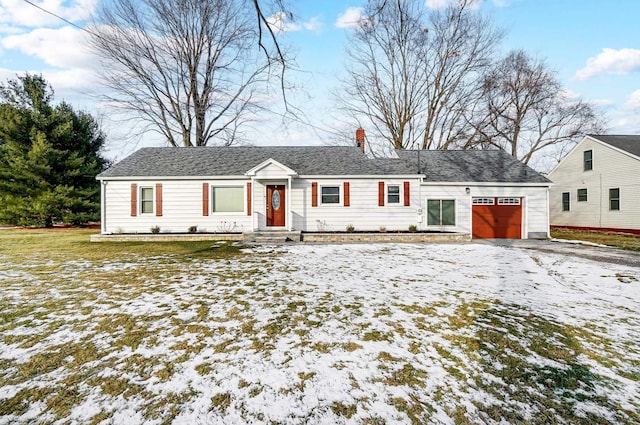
619, 240
88, 332
74, 244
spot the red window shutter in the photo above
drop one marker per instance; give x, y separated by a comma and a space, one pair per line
134, 200
249, 198
158, 199
381, 194
407, 194
205, 198
314, 194
347, 196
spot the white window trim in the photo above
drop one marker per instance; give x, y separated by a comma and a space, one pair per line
455, 213
509, 201
578, 194
484, 201
584, 162
331, 204
619, 198
212, 187
153, 200
562, 202
400, 194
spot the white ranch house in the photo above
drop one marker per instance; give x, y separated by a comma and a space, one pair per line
323, 189
597, 185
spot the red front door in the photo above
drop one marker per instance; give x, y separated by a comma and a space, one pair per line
275, 206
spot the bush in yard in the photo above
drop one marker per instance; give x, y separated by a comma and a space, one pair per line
49, 157
155, 230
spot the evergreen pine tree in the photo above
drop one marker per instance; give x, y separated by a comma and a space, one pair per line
49, 157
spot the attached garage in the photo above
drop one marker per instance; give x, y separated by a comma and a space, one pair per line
496, 217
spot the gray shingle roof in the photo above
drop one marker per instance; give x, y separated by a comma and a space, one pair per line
236, 161
481, 166
628, 143
438, 166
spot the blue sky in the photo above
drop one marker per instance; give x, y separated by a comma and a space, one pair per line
593, 45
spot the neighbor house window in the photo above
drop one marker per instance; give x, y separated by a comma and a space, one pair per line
393, 194
566, 201
330, 194
441, 212
582, 195
588, 160
614, 199
227, 199
146, 200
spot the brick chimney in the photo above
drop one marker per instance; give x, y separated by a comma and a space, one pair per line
360, 138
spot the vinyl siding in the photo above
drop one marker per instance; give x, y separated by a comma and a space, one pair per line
611, 169
534, 205
463, 207
363, 213
181, 209
182, 206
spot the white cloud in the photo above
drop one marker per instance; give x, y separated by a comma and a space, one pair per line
351, 18
68, 84
569, 94
633, 101
22, 14
63, 47
279, 22
611, 61
313, 24
471, 4
438, 4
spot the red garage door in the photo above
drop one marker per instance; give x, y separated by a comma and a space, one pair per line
497, 218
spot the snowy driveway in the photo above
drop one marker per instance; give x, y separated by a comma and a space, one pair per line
323, 334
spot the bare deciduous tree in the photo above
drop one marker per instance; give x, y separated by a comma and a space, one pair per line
413, 73
526, 109
189, 68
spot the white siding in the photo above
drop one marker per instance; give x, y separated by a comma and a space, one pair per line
463, 206
611, 169
363, 213
535, 220
182, 208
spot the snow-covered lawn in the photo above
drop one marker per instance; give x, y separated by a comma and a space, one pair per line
321, 334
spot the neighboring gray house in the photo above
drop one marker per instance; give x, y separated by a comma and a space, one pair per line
310, 189
597, 185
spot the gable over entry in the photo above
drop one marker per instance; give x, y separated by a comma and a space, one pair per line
271, 184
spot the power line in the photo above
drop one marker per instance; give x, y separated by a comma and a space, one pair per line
57, 16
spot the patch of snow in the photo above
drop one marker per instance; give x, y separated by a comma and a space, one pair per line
334, 325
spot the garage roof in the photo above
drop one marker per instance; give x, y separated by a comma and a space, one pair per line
482, 166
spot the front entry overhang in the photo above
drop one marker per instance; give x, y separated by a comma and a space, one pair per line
266, 173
